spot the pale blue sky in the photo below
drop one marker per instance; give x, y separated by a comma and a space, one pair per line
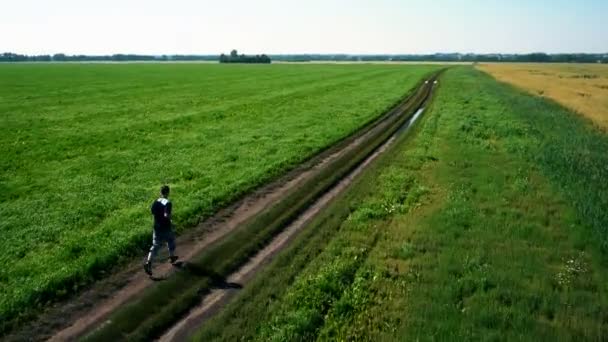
286, 26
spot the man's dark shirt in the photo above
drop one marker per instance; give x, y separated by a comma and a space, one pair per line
161, 210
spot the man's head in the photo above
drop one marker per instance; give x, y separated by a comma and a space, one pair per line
164, 190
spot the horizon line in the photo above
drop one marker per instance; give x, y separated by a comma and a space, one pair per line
310, 53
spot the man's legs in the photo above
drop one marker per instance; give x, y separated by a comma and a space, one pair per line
156, 245
157, 242
171, 245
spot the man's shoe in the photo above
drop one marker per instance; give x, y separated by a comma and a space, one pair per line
173, 259
148, 268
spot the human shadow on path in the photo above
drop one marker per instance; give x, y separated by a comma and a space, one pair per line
217, 281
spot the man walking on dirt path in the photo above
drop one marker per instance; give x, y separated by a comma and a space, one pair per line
163, 232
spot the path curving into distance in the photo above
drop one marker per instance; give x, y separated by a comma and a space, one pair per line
287, 204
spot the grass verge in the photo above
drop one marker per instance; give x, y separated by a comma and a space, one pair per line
504, 241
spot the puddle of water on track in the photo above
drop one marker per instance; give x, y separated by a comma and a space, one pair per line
408, 124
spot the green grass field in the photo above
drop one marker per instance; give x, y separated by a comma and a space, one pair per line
86, 146
489, 223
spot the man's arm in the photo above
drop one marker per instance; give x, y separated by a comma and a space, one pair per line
168, 210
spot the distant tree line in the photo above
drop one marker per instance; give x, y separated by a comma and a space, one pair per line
451, 57
234, 57
60, 57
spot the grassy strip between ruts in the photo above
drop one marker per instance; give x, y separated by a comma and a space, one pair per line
147, 315
502, 245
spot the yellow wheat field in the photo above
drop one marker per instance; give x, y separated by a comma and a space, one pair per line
581, 87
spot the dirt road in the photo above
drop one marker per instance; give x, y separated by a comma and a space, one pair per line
91, 309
